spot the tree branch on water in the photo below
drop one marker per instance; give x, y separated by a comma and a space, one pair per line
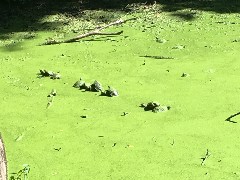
97, 31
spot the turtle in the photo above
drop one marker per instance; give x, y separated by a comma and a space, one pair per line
96, 86
178, 47
45, 73
86, 86
143, 105
55, 75
49, 73
110, 92
161, 109
151, 106
79, 84
160, 40
185, 75
154, 107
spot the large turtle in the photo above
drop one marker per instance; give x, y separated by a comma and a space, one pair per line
96, 86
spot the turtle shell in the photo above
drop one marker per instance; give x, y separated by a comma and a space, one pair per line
55, 76
185, 75
49, 73
45, 73
151, 106
111, 92
161, 109
96, 86
143, 105
86, 86
79, 83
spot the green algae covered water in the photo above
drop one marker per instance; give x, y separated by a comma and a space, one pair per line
58, 143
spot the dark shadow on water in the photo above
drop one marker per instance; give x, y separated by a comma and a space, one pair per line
185, 15
219, 6
26, 15
102, 38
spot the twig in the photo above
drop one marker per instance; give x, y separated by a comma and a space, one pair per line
205, 157
91, 33
229, 119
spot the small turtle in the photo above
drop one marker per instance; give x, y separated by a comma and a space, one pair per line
185, 75
161, 40
110, 92
155, 107
125, 113
43, 73
96, 86
79, 83
178, 47
151, 106
161, 109
143, 105
55, 75
49, 73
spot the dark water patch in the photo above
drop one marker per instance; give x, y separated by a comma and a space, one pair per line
188, 16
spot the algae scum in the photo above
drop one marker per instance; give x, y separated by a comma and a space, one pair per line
191, 66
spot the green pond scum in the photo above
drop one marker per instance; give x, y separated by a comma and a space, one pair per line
186, 58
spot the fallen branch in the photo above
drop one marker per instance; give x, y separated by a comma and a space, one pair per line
91, 33
205, 157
